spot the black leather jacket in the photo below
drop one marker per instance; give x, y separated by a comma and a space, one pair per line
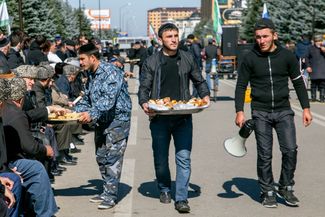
187, 70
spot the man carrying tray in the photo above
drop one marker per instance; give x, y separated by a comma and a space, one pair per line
167, 73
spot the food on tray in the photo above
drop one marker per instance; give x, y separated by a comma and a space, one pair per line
168, 104
67, 116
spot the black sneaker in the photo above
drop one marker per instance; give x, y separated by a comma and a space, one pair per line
286, 193
165, 197
269, 199
182, 206
106, 204
96, 199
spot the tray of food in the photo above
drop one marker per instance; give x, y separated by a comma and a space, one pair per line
63, 119
166, 106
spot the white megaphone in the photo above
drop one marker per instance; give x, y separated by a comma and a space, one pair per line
235, 146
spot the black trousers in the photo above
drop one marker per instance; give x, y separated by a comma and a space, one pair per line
283, 123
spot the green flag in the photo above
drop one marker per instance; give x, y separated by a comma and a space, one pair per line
217, 22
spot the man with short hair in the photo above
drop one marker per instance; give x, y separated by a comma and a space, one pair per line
167, 73
14, 57
107, 103
267, 68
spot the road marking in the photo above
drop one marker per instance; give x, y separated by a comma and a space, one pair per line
124, 207
133, 131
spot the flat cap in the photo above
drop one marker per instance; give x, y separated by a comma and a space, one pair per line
26, 71
44, 72
70, 70
264, 23
4, 90
70, 42
17, 87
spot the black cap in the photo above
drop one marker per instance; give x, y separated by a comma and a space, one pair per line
89, 48
264, 23
69, 42
4, 42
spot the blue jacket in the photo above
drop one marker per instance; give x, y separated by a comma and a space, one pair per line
107, 93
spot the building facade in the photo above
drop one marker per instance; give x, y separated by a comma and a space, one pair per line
158, 16
99, 19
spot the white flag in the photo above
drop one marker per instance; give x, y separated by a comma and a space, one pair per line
4, 16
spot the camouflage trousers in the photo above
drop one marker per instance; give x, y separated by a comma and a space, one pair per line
110, 147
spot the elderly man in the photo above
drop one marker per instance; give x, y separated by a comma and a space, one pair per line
10, 183
21, 145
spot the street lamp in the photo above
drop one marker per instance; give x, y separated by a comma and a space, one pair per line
120, 13
128, 24
99, 21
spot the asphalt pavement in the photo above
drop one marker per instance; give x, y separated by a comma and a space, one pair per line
220, 185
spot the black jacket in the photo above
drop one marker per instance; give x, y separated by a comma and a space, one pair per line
35, 55
15, 59
315, 59
19, 139
188, 70
268, 74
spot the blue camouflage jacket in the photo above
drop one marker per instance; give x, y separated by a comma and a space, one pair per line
107, 92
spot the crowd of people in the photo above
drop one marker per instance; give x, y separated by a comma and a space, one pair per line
40, 76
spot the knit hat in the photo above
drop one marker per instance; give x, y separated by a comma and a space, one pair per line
4, 90
26, 71
70, 70
18, 88
44, 72
263, 24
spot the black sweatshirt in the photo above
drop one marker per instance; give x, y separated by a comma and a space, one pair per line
268, 74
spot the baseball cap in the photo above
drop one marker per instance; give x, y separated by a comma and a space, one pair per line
263, 24
118, 59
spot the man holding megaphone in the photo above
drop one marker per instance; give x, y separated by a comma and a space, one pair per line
268, 68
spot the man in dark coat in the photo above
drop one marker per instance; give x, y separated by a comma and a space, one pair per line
14, 57
21, 145
315, 61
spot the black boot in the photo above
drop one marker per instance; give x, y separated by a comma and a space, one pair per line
322, 95
313, 94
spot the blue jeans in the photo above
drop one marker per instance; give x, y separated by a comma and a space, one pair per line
181, 128
37, 184
208, 78
16, 190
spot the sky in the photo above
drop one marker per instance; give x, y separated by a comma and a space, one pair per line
133, 12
